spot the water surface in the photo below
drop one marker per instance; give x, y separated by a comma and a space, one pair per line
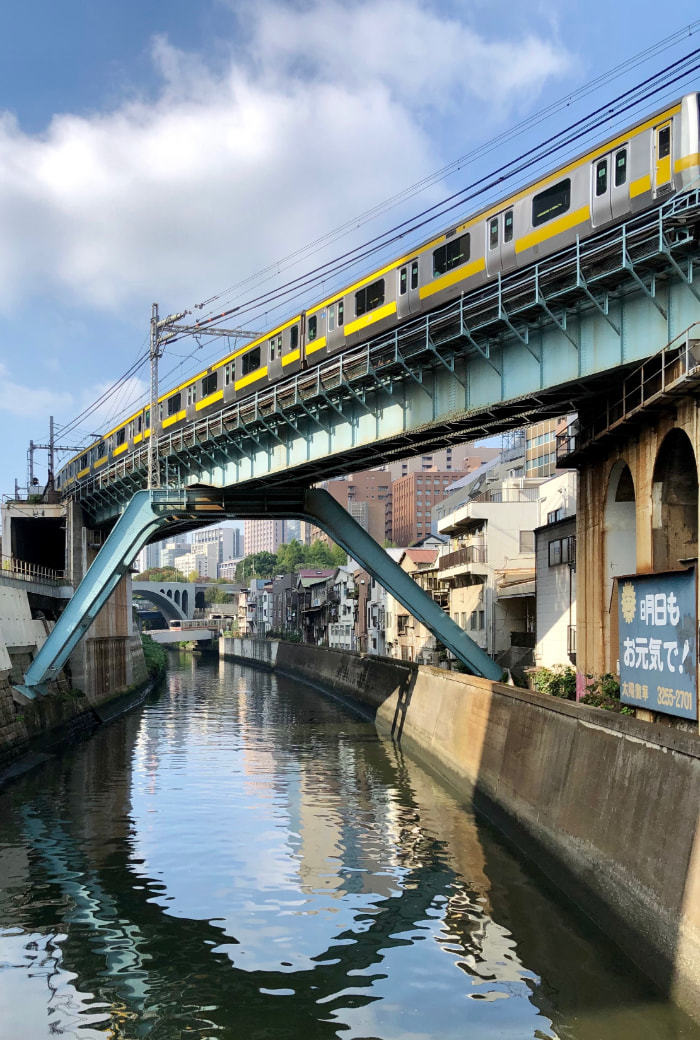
245, 858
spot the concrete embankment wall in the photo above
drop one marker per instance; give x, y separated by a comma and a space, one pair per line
606, 805
75, 703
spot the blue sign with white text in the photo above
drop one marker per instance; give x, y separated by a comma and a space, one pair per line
658, 645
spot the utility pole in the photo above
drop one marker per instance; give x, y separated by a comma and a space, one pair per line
154, 353
162, 331
52, 448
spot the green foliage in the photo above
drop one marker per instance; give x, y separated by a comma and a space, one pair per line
161, 574
155, 656
289, 559
603, 691
557, 682
213, 594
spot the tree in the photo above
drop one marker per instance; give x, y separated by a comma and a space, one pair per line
290, 557
161, 574
213, 594
193, 576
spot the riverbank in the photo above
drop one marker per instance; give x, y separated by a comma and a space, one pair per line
34, 731
606, 806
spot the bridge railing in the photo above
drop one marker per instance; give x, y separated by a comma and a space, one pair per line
507, 307
663, 373
25, 571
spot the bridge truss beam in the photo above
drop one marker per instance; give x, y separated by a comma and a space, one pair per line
151, 510
530, 344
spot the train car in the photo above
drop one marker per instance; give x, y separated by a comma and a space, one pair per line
623, 175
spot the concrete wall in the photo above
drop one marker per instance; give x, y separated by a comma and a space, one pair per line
605, 804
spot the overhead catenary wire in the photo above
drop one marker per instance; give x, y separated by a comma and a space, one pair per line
281, 295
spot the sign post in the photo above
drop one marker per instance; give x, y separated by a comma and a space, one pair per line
658, 642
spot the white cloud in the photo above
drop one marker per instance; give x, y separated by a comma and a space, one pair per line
28, 401
329, 110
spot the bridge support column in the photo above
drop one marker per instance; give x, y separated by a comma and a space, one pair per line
326, 513
132, 531
150, 510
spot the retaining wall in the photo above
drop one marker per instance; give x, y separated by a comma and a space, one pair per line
606, 805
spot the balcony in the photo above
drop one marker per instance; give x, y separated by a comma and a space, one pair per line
464, 557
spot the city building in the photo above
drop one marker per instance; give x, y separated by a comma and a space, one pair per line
229, 540
263, 536
454, 458
406, 637
413, 498
341, 624
202, 559
367, 497
489, 570
555, 564
541, 446
316, 601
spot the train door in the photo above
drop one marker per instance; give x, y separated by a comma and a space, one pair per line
500, 242
407, 297
662, 157
619, 182
601, 204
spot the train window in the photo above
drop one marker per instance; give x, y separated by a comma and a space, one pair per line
139, 423
414, 274
121, 436
147, 417
493, 232
191, 394
228, 373
551, 202
403, 281
601, 177
508, 226
664, 142
250, 361
620, 167
275, 347
451, 255
331, 317
83, 461
311, 328
209, 384
294, 337
369, 298
340, 313
174, 404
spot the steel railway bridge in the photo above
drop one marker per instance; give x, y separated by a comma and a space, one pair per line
535, 343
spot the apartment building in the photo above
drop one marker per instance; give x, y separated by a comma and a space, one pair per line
413, 499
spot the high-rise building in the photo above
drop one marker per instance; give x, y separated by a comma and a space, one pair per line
457, 458
413, 497
367, 497
224, 537
263, 536
541, 447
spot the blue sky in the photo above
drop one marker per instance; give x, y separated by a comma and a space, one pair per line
167, 151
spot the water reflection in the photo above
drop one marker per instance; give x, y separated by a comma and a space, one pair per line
246, 858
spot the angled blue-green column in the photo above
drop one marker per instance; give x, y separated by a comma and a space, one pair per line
130, 533
326, 513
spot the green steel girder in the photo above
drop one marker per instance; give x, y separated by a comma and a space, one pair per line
149, 512
491, 327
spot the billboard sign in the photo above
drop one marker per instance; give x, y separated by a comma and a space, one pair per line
658, 642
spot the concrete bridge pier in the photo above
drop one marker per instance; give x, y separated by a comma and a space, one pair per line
109, 658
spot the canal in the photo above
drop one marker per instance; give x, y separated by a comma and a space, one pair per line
243, 857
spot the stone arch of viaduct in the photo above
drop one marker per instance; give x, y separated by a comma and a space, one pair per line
637, 513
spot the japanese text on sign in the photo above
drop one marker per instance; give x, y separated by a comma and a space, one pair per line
657, 621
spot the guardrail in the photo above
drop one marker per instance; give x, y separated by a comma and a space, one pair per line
661, 374
467, 554
506, 306
529, 494
24, 571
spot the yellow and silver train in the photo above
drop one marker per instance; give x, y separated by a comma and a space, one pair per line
620, 177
